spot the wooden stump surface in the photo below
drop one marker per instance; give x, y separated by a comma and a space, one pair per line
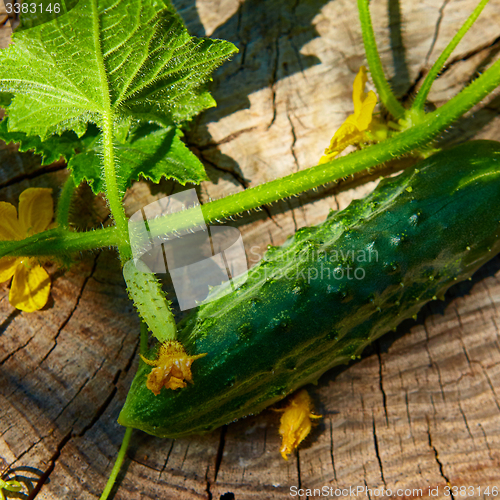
421, 409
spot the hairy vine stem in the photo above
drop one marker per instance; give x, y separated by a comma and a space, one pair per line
112, 192
377, 72
418, 135
118, 464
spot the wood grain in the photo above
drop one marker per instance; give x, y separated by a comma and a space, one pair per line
420, 409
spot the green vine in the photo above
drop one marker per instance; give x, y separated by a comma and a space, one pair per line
122, 453
419, 102
384, 91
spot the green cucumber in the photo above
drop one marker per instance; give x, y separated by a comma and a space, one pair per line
409, 241
150, 300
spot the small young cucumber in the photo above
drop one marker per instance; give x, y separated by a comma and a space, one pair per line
148, 297
330, 290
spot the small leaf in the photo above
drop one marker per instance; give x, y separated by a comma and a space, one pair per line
149, 151
155, 153
51, 150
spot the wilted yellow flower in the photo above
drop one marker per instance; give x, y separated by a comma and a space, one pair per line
295, 423
31, 284
172, 367
352, 131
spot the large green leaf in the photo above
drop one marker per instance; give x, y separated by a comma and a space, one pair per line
129, 59
127, 56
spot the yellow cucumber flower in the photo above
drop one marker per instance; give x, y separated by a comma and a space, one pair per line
31, 284
352, 131
295, 423
172, 367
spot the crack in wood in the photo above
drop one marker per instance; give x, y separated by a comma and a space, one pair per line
465, 421
438, 460
367, 489
332, 450
209, 486
80, 389
448, 66
299, 476
229, 138
436, 30
237, 177
143, 464
15, 351
377, 452
274, 81
166, 460
381, 382
27, 450
10, 318
294, 141
492, 457
407, 403
492, 388
469, 54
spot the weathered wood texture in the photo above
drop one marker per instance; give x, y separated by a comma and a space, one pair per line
421, 408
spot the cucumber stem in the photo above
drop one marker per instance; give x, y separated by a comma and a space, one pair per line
110, 175
60, 241
384, 91
118, 464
